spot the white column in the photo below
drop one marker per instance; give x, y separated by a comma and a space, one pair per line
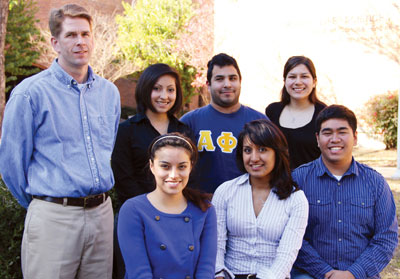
396, 175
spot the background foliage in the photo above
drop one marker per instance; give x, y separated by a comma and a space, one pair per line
149, 32
12, 217
21, 38
150, 29
379, 34
381, 116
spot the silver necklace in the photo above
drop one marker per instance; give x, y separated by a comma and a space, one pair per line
293, 118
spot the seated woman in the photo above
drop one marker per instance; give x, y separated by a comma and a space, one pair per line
262, 215
171, 232
158, 97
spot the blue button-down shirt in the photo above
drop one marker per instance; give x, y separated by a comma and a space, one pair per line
352, 222
57, 139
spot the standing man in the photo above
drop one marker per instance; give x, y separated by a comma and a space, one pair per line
352, 226
217, 125
58, 134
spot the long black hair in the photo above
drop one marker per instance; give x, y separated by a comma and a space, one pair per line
263, 132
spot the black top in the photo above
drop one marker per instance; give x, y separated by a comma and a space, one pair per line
130, 160
303, 146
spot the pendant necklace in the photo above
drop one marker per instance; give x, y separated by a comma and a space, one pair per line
293, 120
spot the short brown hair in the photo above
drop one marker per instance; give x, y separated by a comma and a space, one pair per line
57, 17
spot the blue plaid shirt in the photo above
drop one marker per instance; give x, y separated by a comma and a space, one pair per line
57, 138
352, 222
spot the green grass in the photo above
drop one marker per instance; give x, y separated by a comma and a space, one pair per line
385, 158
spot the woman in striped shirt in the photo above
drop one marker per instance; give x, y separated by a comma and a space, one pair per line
262, 215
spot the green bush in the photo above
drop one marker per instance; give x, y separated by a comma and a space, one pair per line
12, 216
150, 32
381, 116
21, 38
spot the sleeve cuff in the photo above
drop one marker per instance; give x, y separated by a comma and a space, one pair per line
321, 273
357, 271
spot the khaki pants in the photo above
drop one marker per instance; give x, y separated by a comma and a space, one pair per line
67, 241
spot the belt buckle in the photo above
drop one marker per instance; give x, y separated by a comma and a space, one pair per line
88, 201
85, 203
251, 275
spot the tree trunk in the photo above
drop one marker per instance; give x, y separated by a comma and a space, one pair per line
3, 28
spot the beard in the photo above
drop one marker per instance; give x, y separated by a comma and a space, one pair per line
224, 102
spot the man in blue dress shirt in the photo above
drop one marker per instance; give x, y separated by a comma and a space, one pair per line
352, 228
58, 134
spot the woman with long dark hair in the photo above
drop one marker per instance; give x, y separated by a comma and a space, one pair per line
158, 97
170, 232
262, 215
295, 114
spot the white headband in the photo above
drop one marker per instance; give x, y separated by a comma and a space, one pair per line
173, 137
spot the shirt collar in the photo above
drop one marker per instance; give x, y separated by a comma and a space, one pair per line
241, 108
243, 179
138, 117
65, 78
322, 169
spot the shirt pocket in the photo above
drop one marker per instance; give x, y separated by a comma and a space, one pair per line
320, 210
106, 126
361, 211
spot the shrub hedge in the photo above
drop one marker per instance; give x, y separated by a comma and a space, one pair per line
381, 115
12, 216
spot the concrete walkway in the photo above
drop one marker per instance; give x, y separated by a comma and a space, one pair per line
366, 142
387, 172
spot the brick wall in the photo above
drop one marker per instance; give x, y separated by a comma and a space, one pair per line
104, 6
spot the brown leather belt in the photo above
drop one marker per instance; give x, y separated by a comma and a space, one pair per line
85, 202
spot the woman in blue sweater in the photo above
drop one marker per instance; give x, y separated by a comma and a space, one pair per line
171, 232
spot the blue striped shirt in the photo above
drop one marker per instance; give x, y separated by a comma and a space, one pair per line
57, 138
352, 222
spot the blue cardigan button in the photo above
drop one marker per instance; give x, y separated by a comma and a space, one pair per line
163, 247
